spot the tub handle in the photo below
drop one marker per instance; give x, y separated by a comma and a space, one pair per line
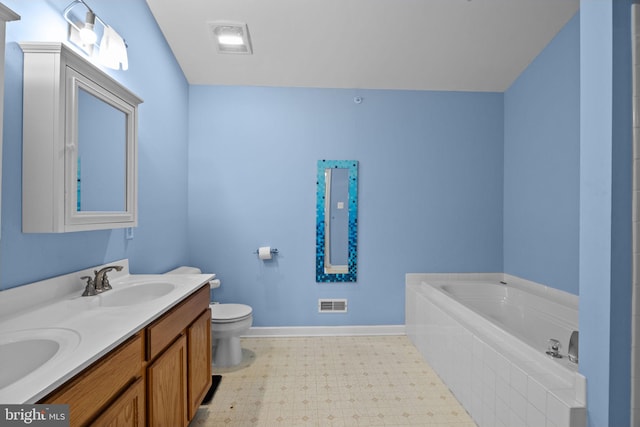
573, 347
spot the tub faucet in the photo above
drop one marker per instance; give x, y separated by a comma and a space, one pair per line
573, 347
554, 348
101, 281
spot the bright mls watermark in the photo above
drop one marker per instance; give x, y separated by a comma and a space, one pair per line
34, 415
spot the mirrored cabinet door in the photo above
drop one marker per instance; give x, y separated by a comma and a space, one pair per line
80, 144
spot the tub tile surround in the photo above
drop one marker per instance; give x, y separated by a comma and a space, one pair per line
501, 381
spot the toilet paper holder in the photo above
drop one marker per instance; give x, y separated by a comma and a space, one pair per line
273, 251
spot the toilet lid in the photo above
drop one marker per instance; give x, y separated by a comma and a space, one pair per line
222, 312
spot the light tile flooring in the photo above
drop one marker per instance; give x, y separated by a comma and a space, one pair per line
332, 381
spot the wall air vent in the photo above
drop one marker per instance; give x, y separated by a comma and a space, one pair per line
332, 306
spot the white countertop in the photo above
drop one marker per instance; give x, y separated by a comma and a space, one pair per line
87, 329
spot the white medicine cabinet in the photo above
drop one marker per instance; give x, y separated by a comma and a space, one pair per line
79, 167
6, 15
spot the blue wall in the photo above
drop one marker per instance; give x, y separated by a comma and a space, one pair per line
567, 190
160, 241
605, 208
430, 193
541, 165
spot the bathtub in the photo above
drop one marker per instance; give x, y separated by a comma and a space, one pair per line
486, 336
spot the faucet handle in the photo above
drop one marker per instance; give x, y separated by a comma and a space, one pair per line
90, 289
573, 347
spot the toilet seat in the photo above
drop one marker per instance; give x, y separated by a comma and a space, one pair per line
228, 313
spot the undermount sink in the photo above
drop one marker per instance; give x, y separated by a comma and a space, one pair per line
135, 294
23, 352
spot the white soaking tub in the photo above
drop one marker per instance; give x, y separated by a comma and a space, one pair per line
486, 335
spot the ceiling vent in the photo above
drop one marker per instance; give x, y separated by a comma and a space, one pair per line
231, 37
332, 306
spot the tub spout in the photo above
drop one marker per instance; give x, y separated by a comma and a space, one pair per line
554, 348
573, 347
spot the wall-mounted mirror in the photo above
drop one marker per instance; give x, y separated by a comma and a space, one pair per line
79, 144
102, 155
337, 221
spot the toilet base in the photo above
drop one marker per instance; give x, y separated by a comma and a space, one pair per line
226, 352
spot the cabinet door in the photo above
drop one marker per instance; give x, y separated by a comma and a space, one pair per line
167, 387
164, 331
127, 411
199, 351
91, 391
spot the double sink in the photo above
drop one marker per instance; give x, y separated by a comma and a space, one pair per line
42, 346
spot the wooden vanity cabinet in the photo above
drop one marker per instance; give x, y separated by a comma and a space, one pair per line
158, 377
179, 361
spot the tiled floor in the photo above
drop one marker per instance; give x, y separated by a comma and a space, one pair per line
332, 381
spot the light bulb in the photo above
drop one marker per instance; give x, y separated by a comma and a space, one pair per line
87, 34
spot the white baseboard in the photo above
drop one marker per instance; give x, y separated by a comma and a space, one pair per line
324, 331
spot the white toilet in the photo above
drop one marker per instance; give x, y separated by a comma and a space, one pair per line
228, 323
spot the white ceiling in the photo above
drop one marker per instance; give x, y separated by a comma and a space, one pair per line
459, 45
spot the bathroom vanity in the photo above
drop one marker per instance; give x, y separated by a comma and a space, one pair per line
137, 355
173, 354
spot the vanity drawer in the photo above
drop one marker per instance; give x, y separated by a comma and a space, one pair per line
164, 331
95, 387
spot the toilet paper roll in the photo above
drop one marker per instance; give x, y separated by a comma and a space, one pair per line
264, 252
213, 284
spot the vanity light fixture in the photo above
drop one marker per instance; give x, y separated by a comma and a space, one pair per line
85, 27
231, 37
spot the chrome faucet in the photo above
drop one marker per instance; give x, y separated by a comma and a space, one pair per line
101, 281
554, 348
